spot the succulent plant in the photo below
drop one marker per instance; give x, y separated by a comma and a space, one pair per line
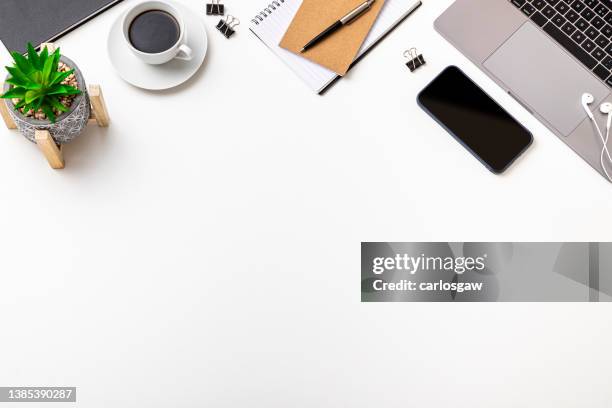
37, 83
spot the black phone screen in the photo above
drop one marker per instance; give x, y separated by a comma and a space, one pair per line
474, 119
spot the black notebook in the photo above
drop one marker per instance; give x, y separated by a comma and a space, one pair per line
39, 21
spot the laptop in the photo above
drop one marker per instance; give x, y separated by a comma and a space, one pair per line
39, 21
545, 54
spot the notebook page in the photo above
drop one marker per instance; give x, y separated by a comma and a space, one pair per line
391, 14
271, 30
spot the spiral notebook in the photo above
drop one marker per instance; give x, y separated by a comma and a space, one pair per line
272, 22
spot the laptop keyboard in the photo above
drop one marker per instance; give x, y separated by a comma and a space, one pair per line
582, 27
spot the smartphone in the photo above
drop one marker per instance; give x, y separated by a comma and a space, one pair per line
483, 127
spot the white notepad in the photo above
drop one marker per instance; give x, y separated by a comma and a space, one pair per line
272, 22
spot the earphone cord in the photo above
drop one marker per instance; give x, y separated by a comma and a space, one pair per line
605, 149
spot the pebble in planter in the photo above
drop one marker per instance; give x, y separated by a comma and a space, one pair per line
47, 100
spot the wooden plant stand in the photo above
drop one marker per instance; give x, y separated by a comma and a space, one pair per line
51, 150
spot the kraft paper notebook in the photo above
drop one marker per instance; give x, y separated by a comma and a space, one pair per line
339, 50
272, 22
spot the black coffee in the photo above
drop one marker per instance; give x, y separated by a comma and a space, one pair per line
154, 31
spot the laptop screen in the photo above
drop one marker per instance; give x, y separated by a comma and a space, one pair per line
38, 21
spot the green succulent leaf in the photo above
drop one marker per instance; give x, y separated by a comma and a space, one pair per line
17, 92
33, 57
46, 73
48, 111
14, 82
37, 104
33, 86
63, 90
44, 54
22, 63
36, 77
31, 96
58, 77
56, 104
18, 75
56, 59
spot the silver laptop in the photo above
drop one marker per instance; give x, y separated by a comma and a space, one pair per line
546, 54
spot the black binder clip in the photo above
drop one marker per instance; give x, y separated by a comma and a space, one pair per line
227, 26
215, 8
416, 60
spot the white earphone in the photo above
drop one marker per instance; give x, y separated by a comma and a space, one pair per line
587, 99
606, 109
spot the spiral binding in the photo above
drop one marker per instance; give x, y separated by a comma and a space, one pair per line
267, 11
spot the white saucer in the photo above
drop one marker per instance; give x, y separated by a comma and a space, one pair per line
159, 77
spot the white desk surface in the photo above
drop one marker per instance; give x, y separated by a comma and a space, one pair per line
204, 251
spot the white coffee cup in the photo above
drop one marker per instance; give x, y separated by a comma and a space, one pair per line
180, 50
